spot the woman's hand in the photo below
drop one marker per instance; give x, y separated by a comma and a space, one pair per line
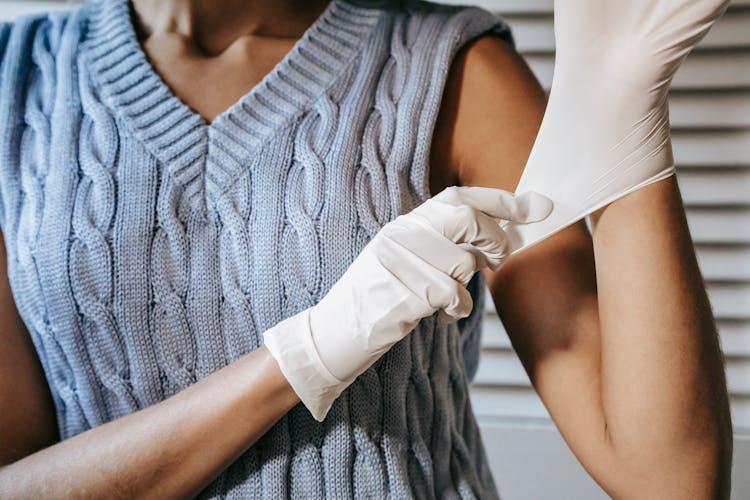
415, 265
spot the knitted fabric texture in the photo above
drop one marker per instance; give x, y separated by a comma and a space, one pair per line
148, 249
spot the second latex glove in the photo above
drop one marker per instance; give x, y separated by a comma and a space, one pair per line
606, 131
415, 265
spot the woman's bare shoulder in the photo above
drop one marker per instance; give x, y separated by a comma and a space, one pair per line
490, 114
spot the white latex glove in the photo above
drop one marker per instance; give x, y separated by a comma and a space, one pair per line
415, 265
606, 130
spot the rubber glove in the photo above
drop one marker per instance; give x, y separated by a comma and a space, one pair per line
416, 265
606, 130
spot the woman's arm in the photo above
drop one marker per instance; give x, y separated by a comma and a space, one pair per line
616, 334
663, 387
168, 450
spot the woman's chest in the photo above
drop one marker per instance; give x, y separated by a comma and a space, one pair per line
150, 243
211, 84
106, 237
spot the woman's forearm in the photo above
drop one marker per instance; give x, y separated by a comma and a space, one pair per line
663, 385
172, 449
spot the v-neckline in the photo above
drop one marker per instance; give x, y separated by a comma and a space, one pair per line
206, 158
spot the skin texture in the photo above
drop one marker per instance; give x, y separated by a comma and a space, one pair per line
613, 328
210, 56
617, 337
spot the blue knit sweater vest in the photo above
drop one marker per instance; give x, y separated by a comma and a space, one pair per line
148, 249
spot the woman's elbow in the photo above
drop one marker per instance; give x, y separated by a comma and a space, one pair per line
699, 470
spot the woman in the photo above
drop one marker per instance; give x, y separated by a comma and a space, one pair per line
179, 178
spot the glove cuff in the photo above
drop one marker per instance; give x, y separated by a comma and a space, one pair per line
290, 342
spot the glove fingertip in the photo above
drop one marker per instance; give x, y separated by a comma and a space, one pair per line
533, 207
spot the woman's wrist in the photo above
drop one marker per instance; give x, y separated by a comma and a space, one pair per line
280, 392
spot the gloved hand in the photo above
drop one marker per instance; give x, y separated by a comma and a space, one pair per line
415, 265
606, 130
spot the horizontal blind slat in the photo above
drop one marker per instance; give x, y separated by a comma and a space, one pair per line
728, 225
724, 262
704, 148
700, 71
700, 110
714, 187
535, 33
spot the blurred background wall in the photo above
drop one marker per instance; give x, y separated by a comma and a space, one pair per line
710, 112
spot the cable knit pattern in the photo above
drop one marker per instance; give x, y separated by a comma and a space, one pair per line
148, 248
90, 256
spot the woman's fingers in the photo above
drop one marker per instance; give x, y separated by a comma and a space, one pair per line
455, 233
468, 215
467, 225
532, 207
438, 275
424, 241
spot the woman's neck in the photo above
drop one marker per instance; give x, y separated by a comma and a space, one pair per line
214, 25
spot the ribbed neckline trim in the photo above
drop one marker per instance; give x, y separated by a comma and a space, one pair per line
206, 158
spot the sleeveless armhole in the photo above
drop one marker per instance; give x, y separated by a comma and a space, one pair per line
461, 26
